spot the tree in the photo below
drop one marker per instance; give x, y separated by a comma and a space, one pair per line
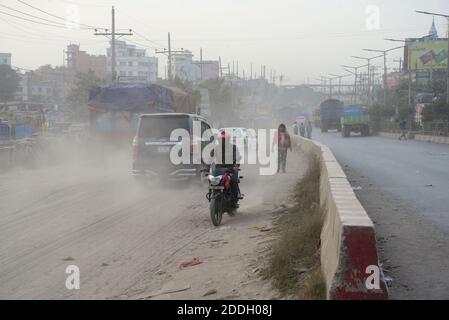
78, 97
436, 111
9, 83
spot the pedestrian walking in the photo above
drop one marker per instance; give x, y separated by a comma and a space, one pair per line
403, 127
309, 129
283, 141
295, 128
302, 130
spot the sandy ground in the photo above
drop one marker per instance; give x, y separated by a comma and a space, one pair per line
129, 240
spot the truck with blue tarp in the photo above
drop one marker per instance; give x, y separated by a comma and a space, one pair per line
355, 119
331, 111
115, 109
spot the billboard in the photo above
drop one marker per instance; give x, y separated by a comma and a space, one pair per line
428, 55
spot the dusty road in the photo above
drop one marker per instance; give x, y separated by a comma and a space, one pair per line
404, 185
128, 240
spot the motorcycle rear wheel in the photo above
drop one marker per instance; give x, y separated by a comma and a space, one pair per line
216, 211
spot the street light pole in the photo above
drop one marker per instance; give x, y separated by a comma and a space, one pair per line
355, 73
369, 74
409, 70
384, 52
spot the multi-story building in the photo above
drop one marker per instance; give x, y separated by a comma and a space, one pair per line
132, 63
5, 58
45, 84
187, 69
81, 62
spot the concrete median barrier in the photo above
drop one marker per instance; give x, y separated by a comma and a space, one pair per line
349, 257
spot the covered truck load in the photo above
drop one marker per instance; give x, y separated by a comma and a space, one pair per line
115, 109
331, 111
355, 119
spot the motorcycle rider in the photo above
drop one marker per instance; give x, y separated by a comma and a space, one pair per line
221, 164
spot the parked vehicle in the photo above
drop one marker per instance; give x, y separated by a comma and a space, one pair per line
220, 196
355, 119
331, 111
152, 147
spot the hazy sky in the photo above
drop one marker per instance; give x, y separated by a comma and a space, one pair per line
300, 39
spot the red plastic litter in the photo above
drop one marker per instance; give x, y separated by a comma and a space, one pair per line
193, 262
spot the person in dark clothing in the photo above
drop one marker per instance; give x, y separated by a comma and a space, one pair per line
296, 128
302, 130
309, 129
232, 165
283, 142
403, 127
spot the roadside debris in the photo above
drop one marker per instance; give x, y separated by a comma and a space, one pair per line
170, 287
389, 281
262, 228
160, 272
68, 259
210, 292
193, 262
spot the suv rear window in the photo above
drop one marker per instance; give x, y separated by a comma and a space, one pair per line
161, 127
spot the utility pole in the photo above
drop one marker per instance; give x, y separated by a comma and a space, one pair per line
169, 53
201, 64
369, 76
113, 36
355, 73
339, 82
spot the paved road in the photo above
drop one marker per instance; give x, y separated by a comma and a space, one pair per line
416, 172
404, 186
93, 215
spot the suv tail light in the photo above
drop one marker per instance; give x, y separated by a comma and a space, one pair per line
193, 145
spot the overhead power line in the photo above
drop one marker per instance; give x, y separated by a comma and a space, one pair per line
58, 17
30, 15
34, 21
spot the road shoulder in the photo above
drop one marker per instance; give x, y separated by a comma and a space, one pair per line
413, 251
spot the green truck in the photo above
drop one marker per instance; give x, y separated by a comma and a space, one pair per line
355, 119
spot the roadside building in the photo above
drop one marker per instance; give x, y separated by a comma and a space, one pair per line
187, 69
132, 63
79, 61
46, 84
5, 58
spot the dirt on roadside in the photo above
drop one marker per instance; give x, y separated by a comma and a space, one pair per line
231, 256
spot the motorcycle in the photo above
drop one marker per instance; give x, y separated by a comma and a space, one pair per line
221, 199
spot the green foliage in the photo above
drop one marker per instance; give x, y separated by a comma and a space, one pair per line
9, 83
436, 111
79, 95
